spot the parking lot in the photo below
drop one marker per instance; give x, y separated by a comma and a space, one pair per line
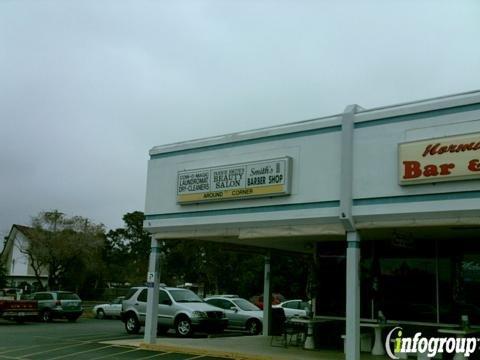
84, 339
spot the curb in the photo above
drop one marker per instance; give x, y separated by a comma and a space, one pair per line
206, 352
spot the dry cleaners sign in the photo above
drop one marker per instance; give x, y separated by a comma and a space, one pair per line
443, 159
231, 182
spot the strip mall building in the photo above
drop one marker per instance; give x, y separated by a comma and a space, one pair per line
386, 200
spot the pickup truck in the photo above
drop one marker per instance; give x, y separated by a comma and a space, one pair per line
17, 310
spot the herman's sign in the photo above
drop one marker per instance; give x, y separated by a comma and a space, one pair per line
232, 182
443, 159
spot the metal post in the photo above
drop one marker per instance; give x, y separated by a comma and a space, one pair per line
346, 168
153, 282
267, 298
353, 297
352, 348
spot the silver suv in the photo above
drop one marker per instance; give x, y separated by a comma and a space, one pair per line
178, 309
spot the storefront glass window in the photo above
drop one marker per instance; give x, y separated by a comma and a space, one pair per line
330, 279
400, 280
459, 281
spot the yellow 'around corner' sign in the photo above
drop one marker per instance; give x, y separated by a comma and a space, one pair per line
233, 182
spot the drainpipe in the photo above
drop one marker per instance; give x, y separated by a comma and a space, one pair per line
153, 283
352, 324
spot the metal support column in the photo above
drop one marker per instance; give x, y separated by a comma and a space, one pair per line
267, 298
352, 331
153, 283
353, 297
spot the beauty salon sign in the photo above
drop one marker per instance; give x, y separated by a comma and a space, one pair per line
442, 159
264, 178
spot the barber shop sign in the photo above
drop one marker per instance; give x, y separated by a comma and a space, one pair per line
441, 159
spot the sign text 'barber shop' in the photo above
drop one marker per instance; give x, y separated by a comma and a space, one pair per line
444, 159
232, 182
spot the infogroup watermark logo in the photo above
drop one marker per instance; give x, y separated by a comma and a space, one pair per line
430, 346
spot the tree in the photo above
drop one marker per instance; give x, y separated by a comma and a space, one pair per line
127, 250
127, 254
218, 268
64, 245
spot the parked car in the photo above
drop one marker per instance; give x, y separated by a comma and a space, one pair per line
241, 313
258, 300
295, 308
112, 309
58, 305
178, 309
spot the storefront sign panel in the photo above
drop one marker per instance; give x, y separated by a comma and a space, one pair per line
441, 159
233, 182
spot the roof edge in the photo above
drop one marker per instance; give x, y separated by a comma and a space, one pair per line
362, 115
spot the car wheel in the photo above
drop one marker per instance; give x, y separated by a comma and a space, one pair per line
183, 326
46, 316
132, 325
100, 314
253, 327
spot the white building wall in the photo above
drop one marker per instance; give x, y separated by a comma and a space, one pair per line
376, 189
20, 263
315, 148
315, 174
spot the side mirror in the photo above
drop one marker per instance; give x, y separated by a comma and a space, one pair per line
167, 302
233, 308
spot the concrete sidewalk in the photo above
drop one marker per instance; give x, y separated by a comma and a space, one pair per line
240, 348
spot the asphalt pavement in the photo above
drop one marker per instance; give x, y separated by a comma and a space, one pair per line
83, 339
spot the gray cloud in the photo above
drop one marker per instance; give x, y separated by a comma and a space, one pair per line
87, 87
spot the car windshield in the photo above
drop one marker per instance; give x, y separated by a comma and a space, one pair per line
68, 296
184, 295
245, 305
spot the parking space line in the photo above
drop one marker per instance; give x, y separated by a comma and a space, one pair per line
47, 351
106, 338
88, 337
17, 348
86, 341
156, 355
81, 352
115, 354
83, 335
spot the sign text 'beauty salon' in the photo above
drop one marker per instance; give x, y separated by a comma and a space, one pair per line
231, 182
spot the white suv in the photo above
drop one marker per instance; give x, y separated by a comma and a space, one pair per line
178, 309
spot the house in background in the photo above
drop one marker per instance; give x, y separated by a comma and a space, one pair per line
19, 269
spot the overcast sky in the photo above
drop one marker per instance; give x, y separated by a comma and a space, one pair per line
88, 87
